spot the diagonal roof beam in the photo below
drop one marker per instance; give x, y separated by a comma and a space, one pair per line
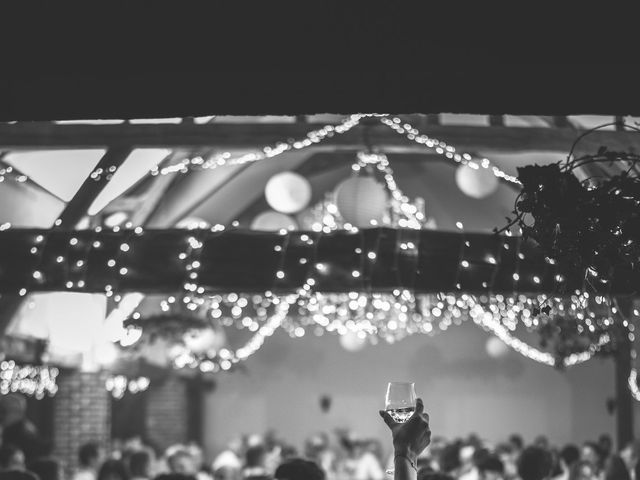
91, 188
74, 211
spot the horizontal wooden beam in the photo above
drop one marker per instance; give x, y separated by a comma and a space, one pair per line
238, 136
247, 261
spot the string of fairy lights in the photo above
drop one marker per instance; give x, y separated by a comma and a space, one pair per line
441, 148
32, 380
375, 317
316, 137
368, 315
313, 137
119, 385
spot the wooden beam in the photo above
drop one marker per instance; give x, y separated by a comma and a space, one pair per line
241, 260
73, 212
9, 305
91, 188
232, 136
622, 359
432, 119
496, 120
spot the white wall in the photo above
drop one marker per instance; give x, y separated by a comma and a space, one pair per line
463, 388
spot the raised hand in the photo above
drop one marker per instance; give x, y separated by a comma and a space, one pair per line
411, 437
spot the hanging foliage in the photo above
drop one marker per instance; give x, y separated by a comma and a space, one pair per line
593, 224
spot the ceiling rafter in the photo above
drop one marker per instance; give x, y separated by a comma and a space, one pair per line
257, 135
71, 215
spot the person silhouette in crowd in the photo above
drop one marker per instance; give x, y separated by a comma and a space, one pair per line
46, 469
517, 444
569, 455
18, 430
450, 458
583, 470
113, 470
541, 441
630, 455
605, 446
255, 467
89, 459
535, 463
299, 469
590, 454
227, 473
11, 458
490, 467
616, 469
433, 475
174, 476
17, 475
181, 462
140, 465
230, 457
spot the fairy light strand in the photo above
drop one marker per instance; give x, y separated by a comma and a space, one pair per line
443, 149
393, 316
119, 385
36, 381
226, 158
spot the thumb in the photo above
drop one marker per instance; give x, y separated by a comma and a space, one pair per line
387, 418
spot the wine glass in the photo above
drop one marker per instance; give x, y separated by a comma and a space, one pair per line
400, 400
400, 403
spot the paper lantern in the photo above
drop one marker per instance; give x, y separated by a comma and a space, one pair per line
288, 192
496, 348
273, 221
477, 182
361, 200
157, 352
201, 341
352, 342
116, 218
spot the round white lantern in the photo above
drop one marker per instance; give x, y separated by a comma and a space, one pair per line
476, 182
272, 221
157, 352
288, 192
496, 348
200, 341
352, 342
361, 200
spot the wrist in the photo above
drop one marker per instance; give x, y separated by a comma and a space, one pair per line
404, 461
404, 451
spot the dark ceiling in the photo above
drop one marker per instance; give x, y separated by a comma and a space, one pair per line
299, 57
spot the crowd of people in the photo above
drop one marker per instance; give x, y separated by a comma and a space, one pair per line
337, 456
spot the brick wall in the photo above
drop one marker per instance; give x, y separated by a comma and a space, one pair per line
167, 412
82, 413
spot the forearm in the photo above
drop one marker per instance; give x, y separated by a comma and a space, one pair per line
404, 468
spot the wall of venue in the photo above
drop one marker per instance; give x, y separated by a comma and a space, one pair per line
464, 389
